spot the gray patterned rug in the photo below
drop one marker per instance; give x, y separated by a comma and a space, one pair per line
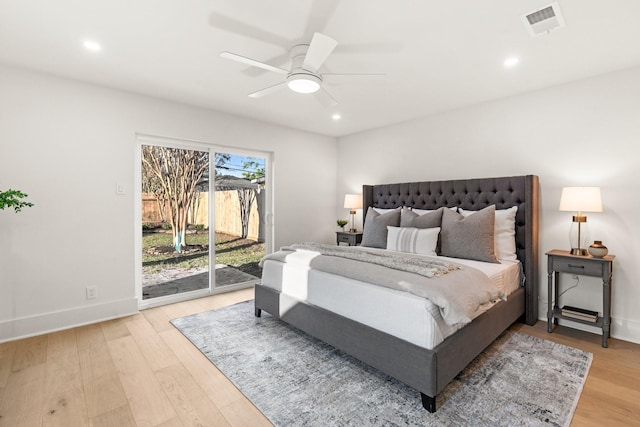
296, 380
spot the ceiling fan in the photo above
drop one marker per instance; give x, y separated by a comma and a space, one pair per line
303, 77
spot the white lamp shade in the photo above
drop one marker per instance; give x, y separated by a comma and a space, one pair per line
353, 201
581, 199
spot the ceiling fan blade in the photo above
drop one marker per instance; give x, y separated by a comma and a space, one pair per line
253, 62
354, 74
320, 48
370, 48
236, 26
280, 60
319, 16
268, 90
325, 98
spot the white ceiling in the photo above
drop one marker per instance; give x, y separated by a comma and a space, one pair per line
437, 55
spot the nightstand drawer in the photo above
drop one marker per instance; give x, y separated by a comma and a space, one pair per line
345, 238
352, 239
577, 266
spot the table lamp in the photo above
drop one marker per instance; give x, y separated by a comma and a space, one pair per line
353, 202
580, 199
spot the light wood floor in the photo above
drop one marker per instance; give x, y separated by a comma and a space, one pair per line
140, 371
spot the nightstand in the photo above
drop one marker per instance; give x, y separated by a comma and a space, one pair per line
563, 262
349, 237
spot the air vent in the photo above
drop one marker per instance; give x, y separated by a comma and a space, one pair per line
544, 20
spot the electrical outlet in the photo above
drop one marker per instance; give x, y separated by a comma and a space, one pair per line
92, 292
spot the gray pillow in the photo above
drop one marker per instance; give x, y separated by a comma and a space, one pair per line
375, 227
462, 238
409, 218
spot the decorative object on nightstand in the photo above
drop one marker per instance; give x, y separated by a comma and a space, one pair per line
598, 250
353, 202
580, 199
565, 262
341, 223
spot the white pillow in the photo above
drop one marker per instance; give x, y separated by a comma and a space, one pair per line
413, 240
425, 211
504, 232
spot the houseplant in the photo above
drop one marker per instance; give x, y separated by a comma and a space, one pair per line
341, 223
11, 199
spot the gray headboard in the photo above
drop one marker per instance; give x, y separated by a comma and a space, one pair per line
475, 194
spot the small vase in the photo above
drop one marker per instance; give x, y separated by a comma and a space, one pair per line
598, 250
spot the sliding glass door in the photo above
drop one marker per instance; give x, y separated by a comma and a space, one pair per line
191, 195
240, 218
174, 214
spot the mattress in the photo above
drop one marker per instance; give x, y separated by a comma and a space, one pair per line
401, 314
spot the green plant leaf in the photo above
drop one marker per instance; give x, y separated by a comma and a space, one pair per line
11, 199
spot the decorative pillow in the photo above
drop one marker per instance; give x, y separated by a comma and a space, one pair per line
408, 218
424, 211
384, 210
413, 240
374, 234
471, 237
504, 232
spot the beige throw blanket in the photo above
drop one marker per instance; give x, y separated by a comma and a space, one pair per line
458, 291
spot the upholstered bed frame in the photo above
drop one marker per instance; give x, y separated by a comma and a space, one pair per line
429, 371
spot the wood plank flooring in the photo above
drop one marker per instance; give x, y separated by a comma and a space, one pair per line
140, 371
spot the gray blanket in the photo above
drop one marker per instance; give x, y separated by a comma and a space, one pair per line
458, 291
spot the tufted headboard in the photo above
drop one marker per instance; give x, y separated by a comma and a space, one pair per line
475, 194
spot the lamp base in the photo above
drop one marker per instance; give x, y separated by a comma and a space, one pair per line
578, 251
353, 230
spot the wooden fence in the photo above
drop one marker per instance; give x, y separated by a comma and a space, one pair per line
227, 213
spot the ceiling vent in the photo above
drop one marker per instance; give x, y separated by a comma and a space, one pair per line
544, 20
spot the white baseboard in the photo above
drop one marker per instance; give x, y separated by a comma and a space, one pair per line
626, 330
25, 327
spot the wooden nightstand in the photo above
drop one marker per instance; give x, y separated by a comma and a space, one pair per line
352, 239
563, 262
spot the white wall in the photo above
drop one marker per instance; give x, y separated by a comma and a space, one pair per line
586, 133
66, 144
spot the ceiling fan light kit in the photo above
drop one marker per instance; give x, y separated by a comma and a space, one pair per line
303, 82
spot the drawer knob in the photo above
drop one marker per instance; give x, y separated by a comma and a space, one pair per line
576, 266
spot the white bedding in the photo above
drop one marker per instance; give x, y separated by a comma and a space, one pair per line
401, 314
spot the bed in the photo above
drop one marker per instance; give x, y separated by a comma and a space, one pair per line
427, 368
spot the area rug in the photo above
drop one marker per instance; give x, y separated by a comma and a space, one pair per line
297, 380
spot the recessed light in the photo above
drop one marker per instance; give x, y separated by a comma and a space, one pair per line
92, 45
511, 62
336, 117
